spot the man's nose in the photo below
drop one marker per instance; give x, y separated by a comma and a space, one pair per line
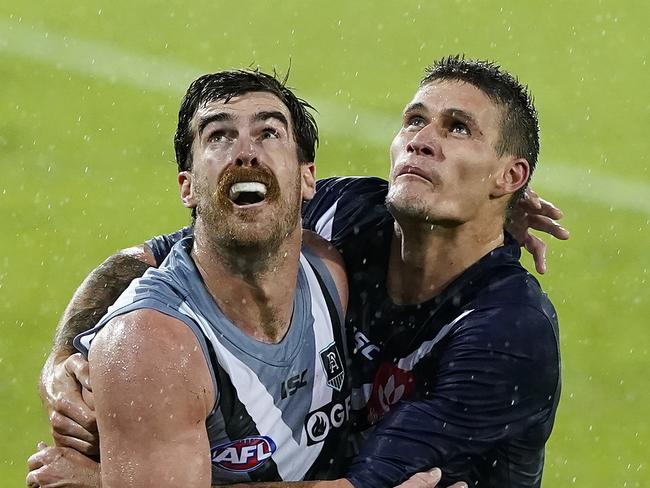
246, 154
424, 143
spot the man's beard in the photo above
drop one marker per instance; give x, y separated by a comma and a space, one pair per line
247, 231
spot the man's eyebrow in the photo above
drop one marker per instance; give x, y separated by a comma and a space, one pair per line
262, 116
214, 117
460, 114
415, 107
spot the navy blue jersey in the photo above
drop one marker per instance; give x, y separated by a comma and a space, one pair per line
471, 378
478, 364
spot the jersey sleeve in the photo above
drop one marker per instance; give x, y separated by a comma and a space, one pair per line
161, 245
495, 377
344, 205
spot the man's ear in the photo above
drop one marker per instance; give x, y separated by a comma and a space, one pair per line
308, 180
186, 189
513, 176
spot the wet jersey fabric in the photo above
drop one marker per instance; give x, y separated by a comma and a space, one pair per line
282, 410
478, 365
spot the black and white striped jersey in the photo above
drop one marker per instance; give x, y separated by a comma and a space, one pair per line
282, 410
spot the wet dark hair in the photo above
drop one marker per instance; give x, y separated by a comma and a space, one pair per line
519, 132
225, 85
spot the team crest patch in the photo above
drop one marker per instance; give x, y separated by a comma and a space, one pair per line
243, 455
333, 366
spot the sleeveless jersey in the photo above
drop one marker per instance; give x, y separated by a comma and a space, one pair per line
282, 410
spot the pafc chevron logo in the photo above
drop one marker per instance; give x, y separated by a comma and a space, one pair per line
245, 454
333, 366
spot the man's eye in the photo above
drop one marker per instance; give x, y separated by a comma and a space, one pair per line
460, 128
415, 121
270, 133
217, 136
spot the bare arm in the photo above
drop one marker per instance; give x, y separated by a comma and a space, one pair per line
153, 392
73, 423
97, 292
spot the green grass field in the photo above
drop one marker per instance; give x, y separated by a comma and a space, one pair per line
89, 93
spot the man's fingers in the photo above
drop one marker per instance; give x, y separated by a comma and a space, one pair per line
531, 199
537, 248
73, 407
77, 366
460, 484
59, 383
35, 461
427, 479
84, 447
42, 457
435, 474
547, 208
66, 426
548, 225
33, 478
67, 433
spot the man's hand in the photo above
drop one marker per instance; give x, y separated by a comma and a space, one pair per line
532, 212
428, 479
67, 394
61, 466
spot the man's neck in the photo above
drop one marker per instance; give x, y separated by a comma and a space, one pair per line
254, 288
424, 259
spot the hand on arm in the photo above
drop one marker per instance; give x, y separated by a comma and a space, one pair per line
532, 212
61, 466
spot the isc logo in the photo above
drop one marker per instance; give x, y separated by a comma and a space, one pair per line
243, 455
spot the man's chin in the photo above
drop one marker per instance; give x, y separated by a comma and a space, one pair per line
403, 205
414, 210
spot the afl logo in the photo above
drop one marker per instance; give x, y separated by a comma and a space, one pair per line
243, 455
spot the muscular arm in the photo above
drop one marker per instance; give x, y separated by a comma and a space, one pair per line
72, 421
97, 292
153, 393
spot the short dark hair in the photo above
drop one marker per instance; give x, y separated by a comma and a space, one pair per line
519, 132
225, 85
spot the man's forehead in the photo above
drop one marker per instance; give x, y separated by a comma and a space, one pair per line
244, 105
445, 94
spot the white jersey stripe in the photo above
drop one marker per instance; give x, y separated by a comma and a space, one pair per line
321, 392
409, 362
324, 224
259, 405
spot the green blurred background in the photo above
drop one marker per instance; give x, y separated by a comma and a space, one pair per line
89, 93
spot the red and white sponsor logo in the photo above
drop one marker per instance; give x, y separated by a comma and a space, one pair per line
243, 455
391, 385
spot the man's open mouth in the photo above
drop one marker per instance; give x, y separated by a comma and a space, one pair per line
247, 193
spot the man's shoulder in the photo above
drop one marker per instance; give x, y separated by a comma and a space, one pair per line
344, 185
146, 328
344, 207
513, 318
513, 290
